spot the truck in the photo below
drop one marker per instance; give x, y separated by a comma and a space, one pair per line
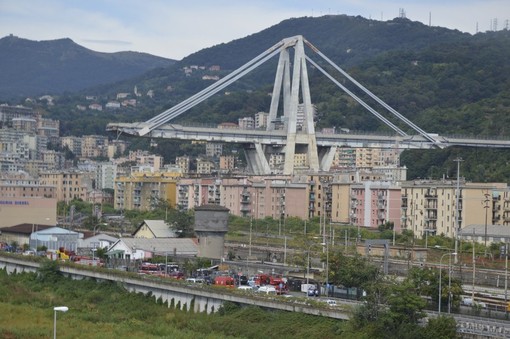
279, 283
64, 254
225, 281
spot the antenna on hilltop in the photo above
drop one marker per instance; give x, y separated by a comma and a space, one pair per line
495, 24
506, 25
430, 19
401, 13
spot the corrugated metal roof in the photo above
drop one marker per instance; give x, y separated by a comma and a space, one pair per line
182, 246
160, 229
25, 228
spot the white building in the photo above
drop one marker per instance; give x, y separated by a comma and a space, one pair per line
105, 175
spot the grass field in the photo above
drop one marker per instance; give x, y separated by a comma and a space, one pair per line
106, 310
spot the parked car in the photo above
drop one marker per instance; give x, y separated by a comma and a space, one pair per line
331, 302
247, 288
313, 292
267, 289
195, 280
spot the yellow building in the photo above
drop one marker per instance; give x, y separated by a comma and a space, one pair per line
142, 191
430, 206
68, 185
340, 207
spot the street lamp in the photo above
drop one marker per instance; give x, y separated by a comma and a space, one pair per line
449, 281
55, 310
327, 267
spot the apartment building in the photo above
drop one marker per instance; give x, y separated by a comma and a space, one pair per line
68, 185
116, 148
227, 163
141, 191
373, 203
205, 166
196, 192
93, 146
261, 120
105, 175
183, 163
73, 144
145, 158
213, 149
27, 125
8, 113
236, 196
246, 123
52, 160
48, 128
350, 158
435, 207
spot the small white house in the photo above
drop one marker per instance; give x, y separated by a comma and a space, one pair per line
154, 229
143, 248
97, 241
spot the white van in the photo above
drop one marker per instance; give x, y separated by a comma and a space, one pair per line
246, 288
195, 280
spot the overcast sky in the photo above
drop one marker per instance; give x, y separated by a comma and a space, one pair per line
175, 29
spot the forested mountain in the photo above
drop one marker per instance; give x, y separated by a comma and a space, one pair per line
445, 81
51, 67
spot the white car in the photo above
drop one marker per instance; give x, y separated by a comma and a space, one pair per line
195, 280
331, 302
246, 288
267, 289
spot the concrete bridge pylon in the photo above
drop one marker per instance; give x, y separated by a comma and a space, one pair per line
295, 117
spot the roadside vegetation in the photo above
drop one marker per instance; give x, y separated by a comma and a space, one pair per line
107, 310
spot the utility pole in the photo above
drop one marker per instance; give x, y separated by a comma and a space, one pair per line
474, 267
486, 207
249, 248
506, 280
457, 196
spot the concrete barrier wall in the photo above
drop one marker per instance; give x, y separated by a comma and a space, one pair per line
193, 298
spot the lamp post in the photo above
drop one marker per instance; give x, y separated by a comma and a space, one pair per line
55, 310
327, 267
440, 269
308, 267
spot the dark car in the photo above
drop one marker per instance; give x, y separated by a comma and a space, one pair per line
313, 292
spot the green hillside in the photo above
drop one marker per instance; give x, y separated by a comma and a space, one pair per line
50, 67
445, 81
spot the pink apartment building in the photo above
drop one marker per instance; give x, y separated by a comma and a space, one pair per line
374, 203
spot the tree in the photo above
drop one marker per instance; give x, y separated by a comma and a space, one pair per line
426, 282
49, 271
395, 310
351, 271
442, 327
405, 304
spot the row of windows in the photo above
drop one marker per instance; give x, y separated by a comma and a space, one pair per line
37, 189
